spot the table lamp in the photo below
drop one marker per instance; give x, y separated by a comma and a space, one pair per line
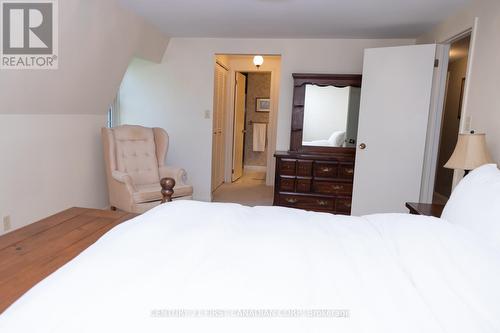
470, 152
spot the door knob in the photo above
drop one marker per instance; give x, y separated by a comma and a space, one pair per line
362, 146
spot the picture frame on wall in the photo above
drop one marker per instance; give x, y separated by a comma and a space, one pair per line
262, 104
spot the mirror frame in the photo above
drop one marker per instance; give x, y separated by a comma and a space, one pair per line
299, 96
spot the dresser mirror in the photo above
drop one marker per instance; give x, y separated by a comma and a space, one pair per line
330, 116
325, 112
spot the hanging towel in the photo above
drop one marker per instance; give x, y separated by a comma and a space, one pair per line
259, 136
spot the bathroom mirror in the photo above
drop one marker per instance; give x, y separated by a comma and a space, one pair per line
325, 112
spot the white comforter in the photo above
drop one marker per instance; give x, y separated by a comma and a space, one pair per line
394, 273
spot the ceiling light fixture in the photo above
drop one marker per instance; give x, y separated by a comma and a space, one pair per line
258, 60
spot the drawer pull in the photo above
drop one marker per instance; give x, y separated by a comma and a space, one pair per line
326, 169
337, 187
347, 204
291, 200
322, 202
349, 171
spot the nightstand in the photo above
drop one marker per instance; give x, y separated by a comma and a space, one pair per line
425, 209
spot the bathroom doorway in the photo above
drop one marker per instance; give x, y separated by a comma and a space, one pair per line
250, 111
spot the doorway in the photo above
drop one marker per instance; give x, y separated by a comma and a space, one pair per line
451, 116
251, 120
250, 95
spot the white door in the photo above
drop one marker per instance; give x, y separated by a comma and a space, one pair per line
218, 126
394, 113
239, 126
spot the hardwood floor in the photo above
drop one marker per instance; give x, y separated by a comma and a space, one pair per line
30, 254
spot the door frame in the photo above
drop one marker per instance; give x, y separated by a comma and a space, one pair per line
437, 110
246, 66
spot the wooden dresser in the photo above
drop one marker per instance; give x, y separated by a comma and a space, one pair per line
318, 182
318, 178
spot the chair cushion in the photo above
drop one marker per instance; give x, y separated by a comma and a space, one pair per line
152, 192
136, 154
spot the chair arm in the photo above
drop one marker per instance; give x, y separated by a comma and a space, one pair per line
124, 178
178, 174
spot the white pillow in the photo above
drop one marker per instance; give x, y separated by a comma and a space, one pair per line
475, 203
337, 139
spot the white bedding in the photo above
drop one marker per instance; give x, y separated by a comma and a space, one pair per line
323, 143
393, 272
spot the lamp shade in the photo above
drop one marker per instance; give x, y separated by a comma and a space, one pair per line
471, 152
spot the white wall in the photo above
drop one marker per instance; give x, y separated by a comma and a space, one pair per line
483, 100
97, 41
50, 146
50, 163
175, 94
325, 111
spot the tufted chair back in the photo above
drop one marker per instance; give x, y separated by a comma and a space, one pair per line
138, 151
136, 154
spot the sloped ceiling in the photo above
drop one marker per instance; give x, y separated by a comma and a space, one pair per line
97, 41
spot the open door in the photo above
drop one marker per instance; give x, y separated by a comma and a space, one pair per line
393, 119
239, 126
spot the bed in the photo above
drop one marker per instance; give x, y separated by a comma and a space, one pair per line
190, 266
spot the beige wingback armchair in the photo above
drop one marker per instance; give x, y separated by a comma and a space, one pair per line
134, 157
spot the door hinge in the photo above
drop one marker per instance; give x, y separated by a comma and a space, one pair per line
436, 63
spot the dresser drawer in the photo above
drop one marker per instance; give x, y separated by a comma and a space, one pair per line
304, 185
343, 205
306, 202
287, 184
287, 167
346, 171
304, 168
327, 187
325, 169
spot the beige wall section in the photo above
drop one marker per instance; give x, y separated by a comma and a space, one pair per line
97, 40
151, 44
50, 120
483, 102
258, 85
177, 93
49, 163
